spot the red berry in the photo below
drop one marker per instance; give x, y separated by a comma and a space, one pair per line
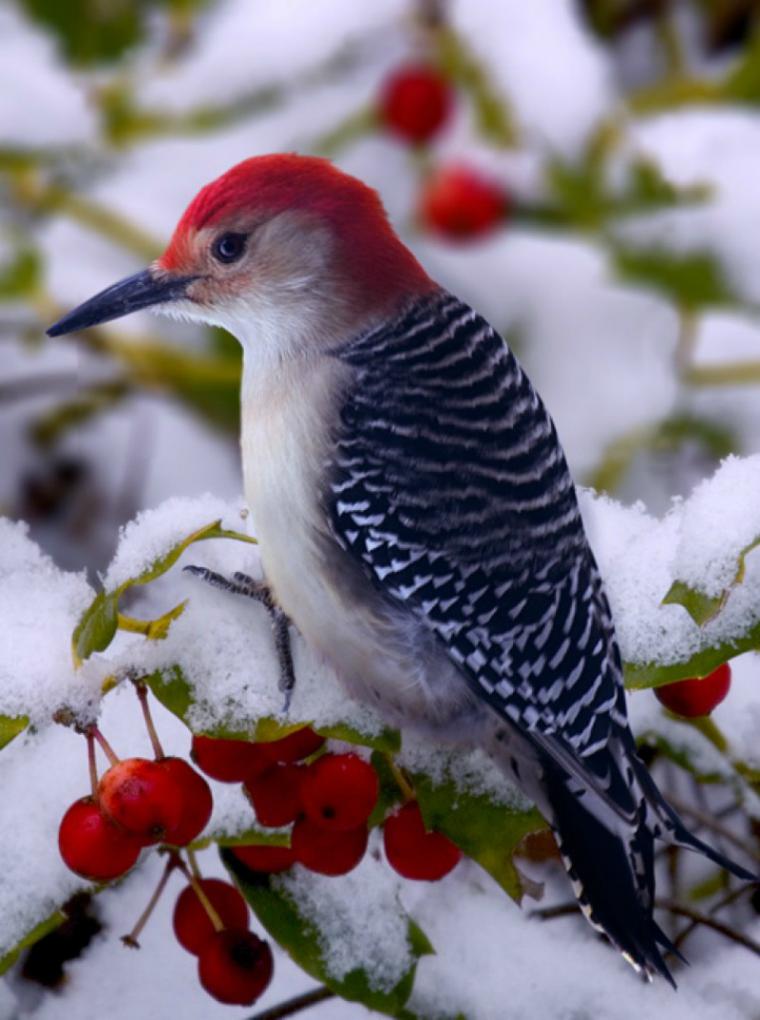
276, 794
229, 761
458, 203
297, 745
339, 791
692, 698
195, 796
271, 859
92, 846
141, 796
415, 102
193, 926
327, 851
235, 967
414, 852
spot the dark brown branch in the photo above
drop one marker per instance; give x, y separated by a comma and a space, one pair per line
296, 1004
709, 822
710, 922
725, 901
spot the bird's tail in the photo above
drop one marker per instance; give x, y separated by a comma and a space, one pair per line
611, 868
667, 824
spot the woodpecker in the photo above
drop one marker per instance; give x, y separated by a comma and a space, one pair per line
416, 516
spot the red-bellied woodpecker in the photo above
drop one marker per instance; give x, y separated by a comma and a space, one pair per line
416, 517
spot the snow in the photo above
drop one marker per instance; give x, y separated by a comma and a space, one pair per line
340, 911
39, 607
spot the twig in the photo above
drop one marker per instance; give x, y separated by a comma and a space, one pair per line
710, 922
726, 900
131, 939
296, 1004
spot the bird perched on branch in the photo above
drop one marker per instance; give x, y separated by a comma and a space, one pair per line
415, 513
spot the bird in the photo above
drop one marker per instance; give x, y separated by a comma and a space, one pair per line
416, 517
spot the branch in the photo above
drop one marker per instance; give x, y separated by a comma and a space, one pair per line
715, 826
296, 1004
709, 922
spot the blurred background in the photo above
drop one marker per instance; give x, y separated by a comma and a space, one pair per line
585, 173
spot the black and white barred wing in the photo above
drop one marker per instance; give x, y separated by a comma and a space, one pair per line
451, 488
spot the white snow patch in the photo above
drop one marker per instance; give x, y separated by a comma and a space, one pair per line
359, 918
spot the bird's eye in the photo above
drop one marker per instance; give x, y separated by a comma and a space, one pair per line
228, 247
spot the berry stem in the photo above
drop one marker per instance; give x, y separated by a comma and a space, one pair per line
193, 876
295, 1005
131, 939
108, 751
402, 782
92, 763
142, 695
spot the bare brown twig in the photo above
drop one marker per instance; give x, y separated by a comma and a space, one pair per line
296, 1004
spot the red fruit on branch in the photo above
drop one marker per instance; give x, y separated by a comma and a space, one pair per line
229, 761
328, 851
339, 791
276, 794
141, 796
696, 697
415, 102
192, 924
270, 859
414, 852
296, 746
92, 846
459, 203
195, 797
235, 966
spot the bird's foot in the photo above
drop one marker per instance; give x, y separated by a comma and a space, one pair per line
243, 584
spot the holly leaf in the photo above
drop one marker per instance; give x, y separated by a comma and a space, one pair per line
300, 938
692, 280
701, 607
485, 829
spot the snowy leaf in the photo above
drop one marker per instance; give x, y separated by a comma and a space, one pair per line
300, 936
484, 829
701, 607
100, 621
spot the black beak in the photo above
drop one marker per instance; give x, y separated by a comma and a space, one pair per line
139, 291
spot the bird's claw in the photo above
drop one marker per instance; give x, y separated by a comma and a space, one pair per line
244, 584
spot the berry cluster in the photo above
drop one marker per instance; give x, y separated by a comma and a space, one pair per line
141, 802
698, 696
328, 802
457, 201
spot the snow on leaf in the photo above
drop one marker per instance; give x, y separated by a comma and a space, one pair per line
11, 726
322, 923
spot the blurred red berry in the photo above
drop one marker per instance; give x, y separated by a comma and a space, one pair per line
697, 697
296, 746
270, 859
276, 794
328, 851
141, 796
339, 791
192, 925
194, 794
414, 852
459, 203
92, 846
235, 966
229, 761
415, 102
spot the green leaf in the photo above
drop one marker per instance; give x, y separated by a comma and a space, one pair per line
388, 740
703, 608
11, 726
100, 620
743, 83
90, 31
692, 280
96, 627
300, 938
484, 829
173, 691
38, 932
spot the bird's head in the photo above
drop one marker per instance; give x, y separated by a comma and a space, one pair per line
282, 250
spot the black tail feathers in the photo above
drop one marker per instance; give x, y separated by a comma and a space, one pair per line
613, 879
